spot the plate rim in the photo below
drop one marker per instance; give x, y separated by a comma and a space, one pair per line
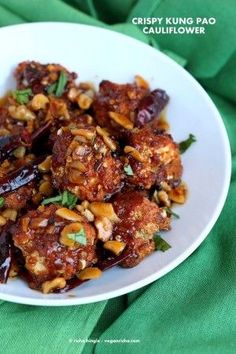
45, 300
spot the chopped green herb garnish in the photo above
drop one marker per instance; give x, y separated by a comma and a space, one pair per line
128, 170
56, 199
170, 212
66, 199
71, 199
61, 83
58, 87
2, 201
79, 237
160, 244
184, 145
51, 89
22, 96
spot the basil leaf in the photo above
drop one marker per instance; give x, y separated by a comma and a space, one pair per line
62, 81
58, 87
185, 144
79, 237
128, 170
66, 198
22, 96
2, 201
160, 244
73, 202
170, 212
69, 199
55, 199
51, 89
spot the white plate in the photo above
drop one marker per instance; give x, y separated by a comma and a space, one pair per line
98, 54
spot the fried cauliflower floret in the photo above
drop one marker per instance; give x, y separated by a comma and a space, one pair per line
18, 199
43, 97
10, 126
121, 107
153, 157
82, 163
122, 99
38, 77
43, 236
139, 220
22, 120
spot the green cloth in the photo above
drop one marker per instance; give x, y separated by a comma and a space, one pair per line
193, 308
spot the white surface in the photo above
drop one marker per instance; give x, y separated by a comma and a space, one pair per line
98, 54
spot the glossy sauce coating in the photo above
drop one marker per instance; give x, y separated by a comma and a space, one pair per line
160, 154
123, 99
38, 237
31, 74
139, 220
85, 166
140, 105
106, 146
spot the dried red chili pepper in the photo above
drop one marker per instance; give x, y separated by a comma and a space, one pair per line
151, 106
41, 132
20, 177
9, 143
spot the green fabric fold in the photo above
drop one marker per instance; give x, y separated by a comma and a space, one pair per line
46, 329
8, 17
44, 10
